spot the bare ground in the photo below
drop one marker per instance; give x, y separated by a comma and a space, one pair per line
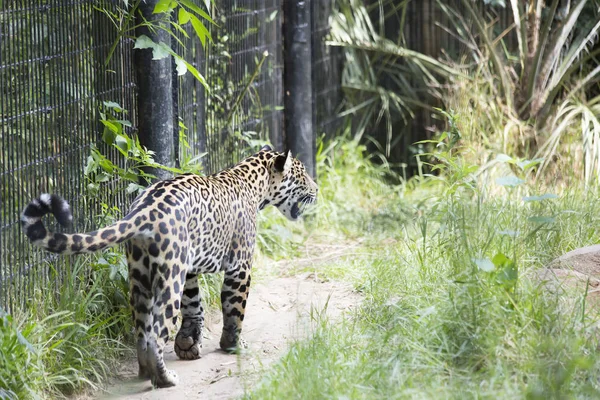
573, 275
279, 310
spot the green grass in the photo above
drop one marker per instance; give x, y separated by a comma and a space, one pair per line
70, 340
73, 340
450, 307
444, 265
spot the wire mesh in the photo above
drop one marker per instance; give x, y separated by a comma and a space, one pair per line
51, 80
243, 105
327, 71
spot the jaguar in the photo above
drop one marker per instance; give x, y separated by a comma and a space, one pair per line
176, 229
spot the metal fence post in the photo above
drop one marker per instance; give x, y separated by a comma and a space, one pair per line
155, 93
300, 137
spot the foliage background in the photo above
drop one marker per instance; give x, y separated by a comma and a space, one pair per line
445, 91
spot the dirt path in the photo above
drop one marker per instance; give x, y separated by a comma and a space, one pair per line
278, 311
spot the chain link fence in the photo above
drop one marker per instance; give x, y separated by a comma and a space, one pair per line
52, 79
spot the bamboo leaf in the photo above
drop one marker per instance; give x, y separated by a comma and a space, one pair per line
190, 4
192, 70
183, 16
180, 29
200, 29
163, 6
181, 67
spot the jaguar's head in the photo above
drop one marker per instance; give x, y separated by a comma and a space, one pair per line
291, 188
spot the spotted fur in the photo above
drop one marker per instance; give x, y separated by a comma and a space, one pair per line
177, 229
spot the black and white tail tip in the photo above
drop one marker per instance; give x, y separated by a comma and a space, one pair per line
31, 219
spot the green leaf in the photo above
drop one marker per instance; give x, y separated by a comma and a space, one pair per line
164, 6
196, 159
507, 271
504, 158
90, 166
103, 176
511, 181
500, 260
484, 264
131, 175
161, 51
527, 164
180, 30
123, 143
143, 42
106, 165
272, 16
112, 105
192, 70
540, 198
108, 136
189, 4
181, 67
183, 16
134, 187
509, 232
113, 272
124, 122
200, 29
508, 276
110, 130
541, 220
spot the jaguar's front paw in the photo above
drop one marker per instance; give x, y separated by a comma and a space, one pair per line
188, 342
187, 348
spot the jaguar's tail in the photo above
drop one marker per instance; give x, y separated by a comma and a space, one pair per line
31, 221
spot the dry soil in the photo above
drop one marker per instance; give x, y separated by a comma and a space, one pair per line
279, 310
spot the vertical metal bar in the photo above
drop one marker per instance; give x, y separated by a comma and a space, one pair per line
201, 60
315, 36
277, 39
155, 96
300, 138
3, 171
175, 101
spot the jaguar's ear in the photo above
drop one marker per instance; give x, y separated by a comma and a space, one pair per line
266, 147
283, 162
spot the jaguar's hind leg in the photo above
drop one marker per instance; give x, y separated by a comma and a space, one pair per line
144, 372
162, 377
233, 301
140, 299
188, 341
155, 295
167, 287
